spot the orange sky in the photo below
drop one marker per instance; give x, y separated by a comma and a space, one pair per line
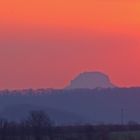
45, 43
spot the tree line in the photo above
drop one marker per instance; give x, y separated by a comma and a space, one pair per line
38, 126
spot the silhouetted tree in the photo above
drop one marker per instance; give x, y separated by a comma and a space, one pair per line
89, 132
3, 129
40, 125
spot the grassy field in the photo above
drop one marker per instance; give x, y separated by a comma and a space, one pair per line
135, 135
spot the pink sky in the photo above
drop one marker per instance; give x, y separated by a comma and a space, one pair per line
47, 48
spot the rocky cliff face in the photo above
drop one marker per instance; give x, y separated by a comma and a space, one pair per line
91, 80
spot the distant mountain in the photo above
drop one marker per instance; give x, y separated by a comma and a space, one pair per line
91, 80
74, 105
18, 112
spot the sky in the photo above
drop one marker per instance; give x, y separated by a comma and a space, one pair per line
46, 43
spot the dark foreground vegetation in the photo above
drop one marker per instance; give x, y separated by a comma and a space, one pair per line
38, 126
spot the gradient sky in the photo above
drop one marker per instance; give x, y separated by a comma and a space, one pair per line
45, 43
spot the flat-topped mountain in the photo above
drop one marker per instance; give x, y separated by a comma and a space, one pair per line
91, 80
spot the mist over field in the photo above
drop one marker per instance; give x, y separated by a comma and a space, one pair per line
81, 106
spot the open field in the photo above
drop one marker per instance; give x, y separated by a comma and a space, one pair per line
128, 135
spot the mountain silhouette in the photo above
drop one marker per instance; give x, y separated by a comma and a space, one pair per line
18, 112
91, 80
94, 106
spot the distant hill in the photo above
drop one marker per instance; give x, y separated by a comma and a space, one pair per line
91, 80
74, 105
18, 112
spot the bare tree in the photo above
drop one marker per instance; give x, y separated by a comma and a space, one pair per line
40, 125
